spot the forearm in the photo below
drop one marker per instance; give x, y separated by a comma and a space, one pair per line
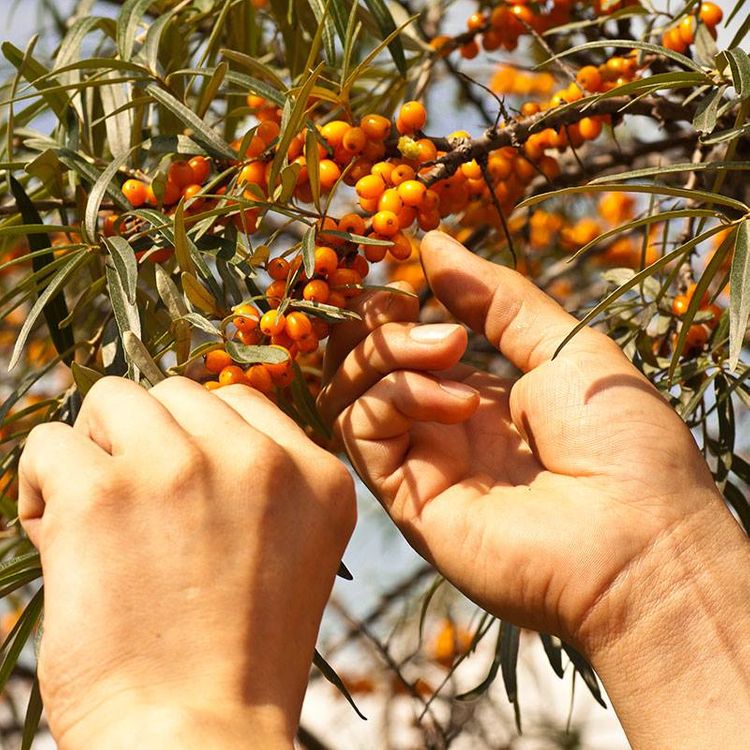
676, 661
157, 727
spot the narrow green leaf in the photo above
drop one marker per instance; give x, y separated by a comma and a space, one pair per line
33, 715
306, 404
55, 287
554, 653
19, 635
55, 308
84, 377
584, 669
201, 133
130, 16
181, 241
252, 355
739, 294
739, 67
327, 312
150, 49
253, 85
708, 108
330, 674
126, 314
97, 194
211, 89
312, 158
510, 638
204, 324
308, 251
292, 125
126, 264
387, 26
320, 11
198, 295
484, 685
140, 356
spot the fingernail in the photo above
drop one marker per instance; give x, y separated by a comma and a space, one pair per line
459, 390
431, 334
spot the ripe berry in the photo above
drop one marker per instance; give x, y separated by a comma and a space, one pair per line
385, 223
412, 193
371, 186
401, 173
135, 192
711, 14
232, 375
275, 293
268, 131
589, 78
258, 377
217, 360
278, 268
201, 169
308, 344
376, 127
590, 128
334, 132
189, 194
344, 281
329, 173
247, 318
354, 140
680, 304
316, 291
412, 116
469, 50
326, 260
298, 325
181, 174
253, 173
272, 323
401, 248
352, 223
390, 201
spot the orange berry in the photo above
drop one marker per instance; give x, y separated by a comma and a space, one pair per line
469, 50
275, 293
278, 268
406, 217
249, 337
181, 174
427, 150
109, 225
471, 170
401, 173
308, 344
344, 280
680, 304
255, 102
528, 109
171, 193
374, 150
320, 328
687, 29
476, 21
212, 385
253, 173
272, 323
189, 194
412, 193
672, 39
135, 192
385, 223
589, 78
590, 128
268, 131
325, 226
336, 299
232, 375
370, 186
298, 325
401, 248
696, 338
441, 44
329, 173
258, 377
354, 140
316, 291
376, 127
326, 260
333, 132
256, 147
368, 205
390, 201
711, 14
375, 253
360, 265
412, 116
352, 223
247, 318
201, 169
217, 360
384, 170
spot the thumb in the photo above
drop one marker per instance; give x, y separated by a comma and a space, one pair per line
517, 317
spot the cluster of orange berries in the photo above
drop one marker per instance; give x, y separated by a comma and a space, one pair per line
679, 37
699, 333
507, 22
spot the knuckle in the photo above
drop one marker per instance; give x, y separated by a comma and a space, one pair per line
104, 390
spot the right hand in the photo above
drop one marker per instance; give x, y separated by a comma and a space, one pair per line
544, 498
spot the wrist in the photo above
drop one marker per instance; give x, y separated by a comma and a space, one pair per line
153, 727
671, 636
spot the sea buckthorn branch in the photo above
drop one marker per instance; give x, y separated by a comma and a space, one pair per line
518, 131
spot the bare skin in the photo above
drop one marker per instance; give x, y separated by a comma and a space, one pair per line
572, 500
188, 549
188, 554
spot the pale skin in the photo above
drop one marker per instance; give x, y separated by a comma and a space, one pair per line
571, 500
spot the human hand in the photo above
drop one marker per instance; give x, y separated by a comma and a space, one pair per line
188, 553
541, 498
